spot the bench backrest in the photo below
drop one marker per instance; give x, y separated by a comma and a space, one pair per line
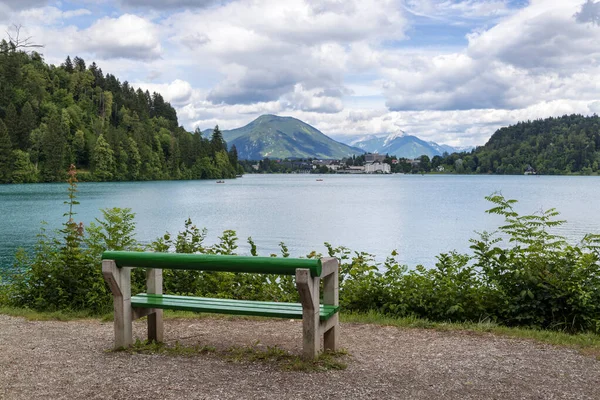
208, 262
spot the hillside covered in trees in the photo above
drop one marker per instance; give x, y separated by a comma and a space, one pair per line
52, 117
566, 145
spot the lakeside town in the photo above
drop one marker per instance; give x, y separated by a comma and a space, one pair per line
370, 163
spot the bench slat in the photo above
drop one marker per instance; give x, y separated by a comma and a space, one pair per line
227, 306
209, 262
233, 302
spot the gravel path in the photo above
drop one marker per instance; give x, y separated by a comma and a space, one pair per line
68, 360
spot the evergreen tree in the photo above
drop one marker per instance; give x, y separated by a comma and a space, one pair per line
233, 156
79, 64
11, 121
134, 160
5, 155
68, 65
27, 123
24, 170
103, 160
217, 143
81, 157
53, 150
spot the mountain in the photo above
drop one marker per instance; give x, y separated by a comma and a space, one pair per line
284, 137
401, 145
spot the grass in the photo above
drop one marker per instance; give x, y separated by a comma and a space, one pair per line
587, 343
245, 354
275, 355
60, 315
145, 347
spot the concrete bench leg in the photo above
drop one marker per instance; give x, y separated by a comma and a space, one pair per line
308, 288
155, 319
331, 284
119, 280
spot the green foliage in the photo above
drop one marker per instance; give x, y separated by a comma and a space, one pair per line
103, 160
5, 155
75, 114
24, 170
540, 280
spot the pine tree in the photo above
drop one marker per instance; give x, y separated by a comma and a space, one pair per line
103, 160
53, 150
24, 171
5, 155
11, 121
79, 64
27, 123
216, 142
68, 65
134, 160
233, 156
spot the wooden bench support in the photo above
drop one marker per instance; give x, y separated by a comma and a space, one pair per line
154, 285
312, 327
308, 288
331, 283
119, 280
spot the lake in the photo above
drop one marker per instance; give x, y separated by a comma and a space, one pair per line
419, 216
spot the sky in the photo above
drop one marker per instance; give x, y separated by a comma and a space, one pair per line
449, 71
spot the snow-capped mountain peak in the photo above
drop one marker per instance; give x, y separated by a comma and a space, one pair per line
391, 137
363, 139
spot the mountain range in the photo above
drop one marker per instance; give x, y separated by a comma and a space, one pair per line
402, 145
286, 137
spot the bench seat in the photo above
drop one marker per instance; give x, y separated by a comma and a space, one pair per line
227, 306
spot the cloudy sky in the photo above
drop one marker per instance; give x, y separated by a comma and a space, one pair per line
451, 71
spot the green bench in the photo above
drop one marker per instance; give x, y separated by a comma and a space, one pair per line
317, 319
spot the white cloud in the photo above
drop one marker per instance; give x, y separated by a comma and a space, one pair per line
264, 49
128, 36
522, 61
178, 92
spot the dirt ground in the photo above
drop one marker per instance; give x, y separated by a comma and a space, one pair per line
70, 360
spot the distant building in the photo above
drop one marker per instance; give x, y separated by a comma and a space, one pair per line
374, 157
352, 170
332, 165
377, 167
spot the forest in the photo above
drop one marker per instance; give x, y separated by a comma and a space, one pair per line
553, 146
52, 117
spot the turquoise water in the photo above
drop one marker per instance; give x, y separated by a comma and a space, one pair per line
420, 216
